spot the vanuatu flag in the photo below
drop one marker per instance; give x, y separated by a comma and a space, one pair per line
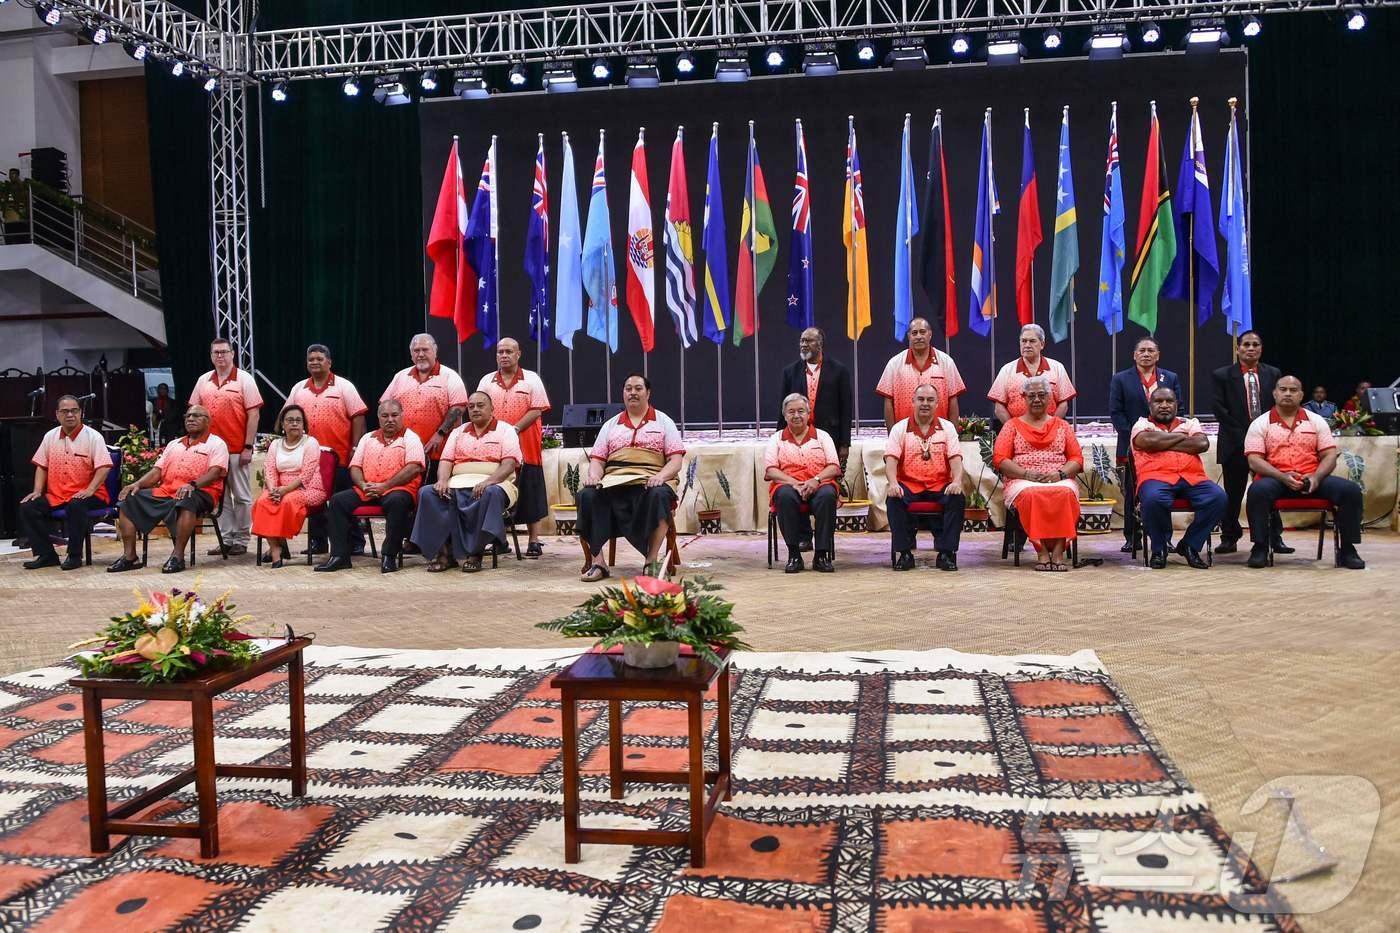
1156, 235
758, 248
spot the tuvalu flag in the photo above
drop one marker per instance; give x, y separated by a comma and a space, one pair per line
712, 237
1028, 232
1065, 260
758, 248
854, 236
936, 245
641, 249
1156, 235
801, 309
453, 293
568, 286
599, 273
680, 253
982, 313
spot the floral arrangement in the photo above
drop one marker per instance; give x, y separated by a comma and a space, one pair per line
650, 610
169, 636
1354, 424
138, 456
550, 439
972, 427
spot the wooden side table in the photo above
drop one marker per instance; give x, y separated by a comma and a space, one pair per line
605, 677
199, 692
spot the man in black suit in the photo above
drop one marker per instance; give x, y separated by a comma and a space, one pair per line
1243, 391
816, 374
1128, 395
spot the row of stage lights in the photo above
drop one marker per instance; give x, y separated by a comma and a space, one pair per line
141, 50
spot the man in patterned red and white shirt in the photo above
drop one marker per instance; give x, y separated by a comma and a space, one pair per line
801, 466
518, 398
1005, 393
923, 463
386, 470
335, 416
232, 399
921, 364
1292, 453
70, 473
1167, 459
183, 485
432, 395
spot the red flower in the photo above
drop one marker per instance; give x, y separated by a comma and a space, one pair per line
128, 659
653, 586
237, 636
199, 657
691, 610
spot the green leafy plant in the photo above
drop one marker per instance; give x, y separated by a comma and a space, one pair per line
550, 439
1097, 479
985, 446
973, 428
572, 479
649, 609
138, 456
1355, 424
1356, 468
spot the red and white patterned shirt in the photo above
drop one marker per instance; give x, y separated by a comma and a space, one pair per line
496, 443
925, 460
656, 431
1168, 466
1006, 387
425, 402
71, 460
514, 400
379, 460
814, 378
1295, 449
229, 403
902, 376
329, 411
802, 461
185, 460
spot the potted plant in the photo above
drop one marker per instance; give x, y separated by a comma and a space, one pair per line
1096, 507
651, 618
565, 514
977, 515
708, 518
854, 514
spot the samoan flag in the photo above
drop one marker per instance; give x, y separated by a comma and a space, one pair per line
983, 312
801, 307
537, 253
481, 250
1113, 247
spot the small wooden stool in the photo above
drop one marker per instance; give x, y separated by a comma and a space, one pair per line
199, 692
605, 677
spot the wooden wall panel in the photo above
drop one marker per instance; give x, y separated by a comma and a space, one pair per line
116, 146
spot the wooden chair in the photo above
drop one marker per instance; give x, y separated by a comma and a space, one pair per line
212, 518
673, 551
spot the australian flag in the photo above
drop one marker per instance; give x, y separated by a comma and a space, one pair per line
537, 253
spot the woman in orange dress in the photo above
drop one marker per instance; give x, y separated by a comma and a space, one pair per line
1038, 456
292, 471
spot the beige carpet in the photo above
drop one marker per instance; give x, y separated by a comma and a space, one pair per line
1247, 677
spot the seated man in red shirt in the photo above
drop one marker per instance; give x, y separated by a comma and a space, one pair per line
801, 466
184, 484
1167, 457
70, 472
923, 463
1292, 454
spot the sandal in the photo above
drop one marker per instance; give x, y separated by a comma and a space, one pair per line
1044, 566
534, 550
438, 565
594, 574
1059, 568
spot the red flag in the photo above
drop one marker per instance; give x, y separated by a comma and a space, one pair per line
641, 250
453, 293
1028, 232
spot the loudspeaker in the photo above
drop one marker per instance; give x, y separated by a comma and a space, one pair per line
581, 422
1384, 406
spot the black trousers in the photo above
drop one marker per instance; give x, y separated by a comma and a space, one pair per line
316, 524
903, 526
821, 512
398, 519
36, 518
1342, 493
631, 512
1235, 479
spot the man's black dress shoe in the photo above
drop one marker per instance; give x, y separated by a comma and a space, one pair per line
947, 560
38, 563
905, 561
794, 564
333, 564
822, 563
1158, 560
71, 562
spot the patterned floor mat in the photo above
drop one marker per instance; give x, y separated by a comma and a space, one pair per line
892, 791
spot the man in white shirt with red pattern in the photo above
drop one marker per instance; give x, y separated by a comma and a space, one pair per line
921, 364
335, 416
518, 398
70, 473
232, 399
801, 466
1005, 393
432, 396
923, 463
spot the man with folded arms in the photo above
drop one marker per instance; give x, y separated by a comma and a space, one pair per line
1292, 454
386, 471
465, 508
70, 473
923, 463
1167, 459
801, 466
184, 484
518, 398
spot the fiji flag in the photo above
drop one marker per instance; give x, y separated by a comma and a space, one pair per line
801, 311
1113, 245
1235, 302
599, 273
983, 312
481, 250
906, 227
537, 253
712, 238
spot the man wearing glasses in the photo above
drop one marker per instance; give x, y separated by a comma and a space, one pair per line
70, 473
231, 397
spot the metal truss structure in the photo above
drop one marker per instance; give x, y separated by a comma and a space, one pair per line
230, 247
167, 28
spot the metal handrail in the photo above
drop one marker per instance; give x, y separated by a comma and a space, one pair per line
111, 254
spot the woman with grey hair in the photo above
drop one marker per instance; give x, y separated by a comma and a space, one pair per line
1005, 392
1038, 456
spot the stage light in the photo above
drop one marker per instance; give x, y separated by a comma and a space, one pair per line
389, 91
960, 45
1107, 42
642, 71
559, 77
819, 59
1151, 33
685, 63
1356, 19
773, 57
95, 33
1207, 36
50, 14
601, 70
1004, 48
137, 49
177, 67
1252, 27
518, 77
469, 84
279, 92
428, 81
350, 87
1053, 39
732, 66
907, 54
210, 83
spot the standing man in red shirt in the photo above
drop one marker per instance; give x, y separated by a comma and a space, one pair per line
231, 399
70, 472
518, 398
335, 416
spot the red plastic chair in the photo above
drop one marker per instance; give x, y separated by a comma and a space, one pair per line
1324, 508
1140, 531
914, 509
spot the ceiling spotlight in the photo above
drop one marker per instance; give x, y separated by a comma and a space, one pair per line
1252, 27
601, 70
559, 77
389, 91
469, 84
685, 63
95, 33
350, 87
1207, 36
1356, 19
518, 77
137, 49
773, 57
960, 44
210, 83
865, 51
177, 67
1004, 48
907, 54
819, 59
49, 13
428, 81
1151, 33
1053, 38
279, 92
732, 66
642, 71
1107, 42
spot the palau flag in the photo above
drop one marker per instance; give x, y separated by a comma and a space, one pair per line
1235, 301
712, 238
537, 253
1113, 244
680, 252
758, 248
906, 227
936, 246
599, 272
1156, 235
1195, 234
568, 287
1065, 261
801, 311
857, 249
481, 250
983, 311
1029, 235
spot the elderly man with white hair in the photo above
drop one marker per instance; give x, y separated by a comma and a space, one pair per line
801, 467
433, 396
1005, 393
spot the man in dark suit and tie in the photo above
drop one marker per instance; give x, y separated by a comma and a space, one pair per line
827, 387
1243, 391
1128, 396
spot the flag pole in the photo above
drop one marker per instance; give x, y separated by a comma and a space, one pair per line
1234, 324
610, 301
646, 354
753, 281
719, 346
539, 318
564, 142
680, 138
851, 277
1191, 280
1073, 358
495, 238
991, 238
1018, 234
1118, 322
